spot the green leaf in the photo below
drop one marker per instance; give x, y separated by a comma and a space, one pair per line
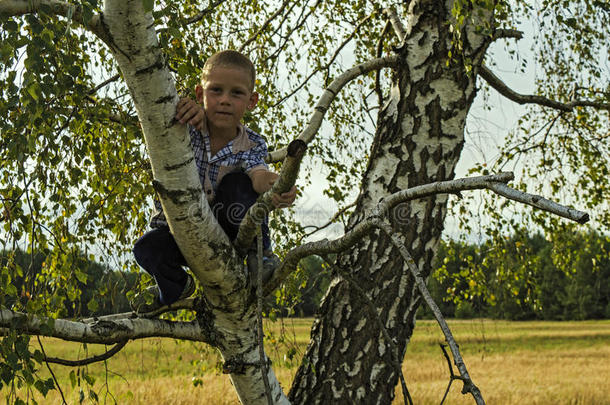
42, 387
93, 305
11, 26
81, 276
32, 90
90, 380
73, 378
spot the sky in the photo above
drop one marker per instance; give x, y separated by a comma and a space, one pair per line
486, 132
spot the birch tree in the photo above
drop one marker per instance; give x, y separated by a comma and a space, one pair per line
88, 133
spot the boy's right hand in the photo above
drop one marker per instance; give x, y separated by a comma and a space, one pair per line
189, 111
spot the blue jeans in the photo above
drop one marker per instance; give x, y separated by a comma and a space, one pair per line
157, 252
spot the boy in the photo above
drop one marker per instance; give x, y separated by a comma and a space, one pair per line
230, 161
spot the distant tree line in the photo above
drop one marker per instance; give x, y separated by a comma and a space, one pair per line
565, 276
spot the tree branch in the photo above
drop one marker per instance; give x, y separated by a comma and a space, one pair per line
203, 13
328, 96
492, 182
256, 213
452, 375
14, 8
378, 53
495, 82
188, 304
259, 314
507, 33
264, 26
93, 359
469, 386
63, 398
540, 202
104, 331
399, 29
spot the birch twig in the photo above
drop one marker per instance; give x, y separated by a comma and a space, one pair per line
469, 386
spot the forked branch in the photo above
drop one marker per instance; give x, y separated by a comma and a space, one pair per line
399, 28
494, 183
495, 82
469, 386
328, 96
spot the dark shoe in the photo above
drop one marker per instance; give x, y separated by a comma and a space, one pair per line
148, 302
270, 263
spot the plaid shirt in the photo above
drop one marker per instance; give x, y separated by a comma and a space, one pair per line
246, 152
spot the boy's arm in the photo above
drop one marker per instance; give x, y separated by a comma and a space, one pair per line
262, 181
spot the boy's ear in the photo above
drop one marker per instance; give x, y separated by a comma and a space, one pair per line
199, 93
253, 101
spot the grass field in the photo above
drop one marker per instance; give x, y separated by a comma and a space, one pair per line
511, 362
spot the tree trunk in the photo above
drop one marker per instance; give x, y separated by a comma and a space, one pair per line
419, 138
227, 315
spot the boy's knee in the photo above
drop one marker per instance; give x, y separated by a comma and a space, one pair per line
150, 245
236, 187
141, 251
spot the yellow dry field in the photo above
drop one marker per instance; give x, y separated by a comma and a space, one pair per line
511, 362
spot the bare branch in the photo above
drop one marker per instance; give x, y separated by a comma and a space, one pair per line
259, 313
188, 303
106, 332
203, 13
326, 66
328, 96
257, 212
378, 53
452, 376
507, 33
105, 83
93, 359
399, 29
469, 386
264, 26
495, 82
492, 182
13, 8
331, 221
539, 202
63, 398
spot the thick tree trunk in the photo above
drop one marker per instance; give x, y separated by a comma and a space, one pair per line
419, 139
227, 315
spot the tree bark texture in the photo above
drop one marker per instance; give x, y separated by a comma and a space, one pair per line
227, 313
419, 138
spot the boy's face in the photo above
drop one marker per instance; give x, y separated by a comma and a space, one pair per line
226, 96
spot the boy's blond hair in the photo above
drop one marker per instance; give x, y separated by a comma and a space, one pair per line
229, 58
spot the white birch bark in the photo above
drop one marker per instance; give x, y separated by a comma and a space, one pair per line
203, 243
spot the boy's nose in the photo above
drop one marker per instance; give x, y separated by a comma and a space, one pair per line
224, 98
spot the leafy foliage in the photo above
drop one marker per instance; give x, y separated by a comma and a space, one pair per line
75, 184
560, 276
